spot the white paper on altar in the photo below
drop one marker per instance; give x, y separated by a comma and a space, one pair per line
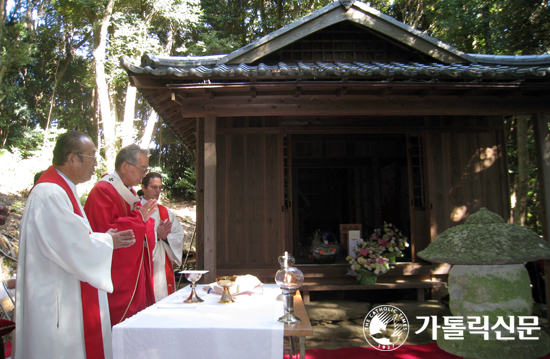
353, 238
244, 285
247, 328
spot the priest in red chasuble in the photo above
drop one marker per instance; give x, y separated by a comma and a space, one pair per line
113, 203
64, 269
169, 239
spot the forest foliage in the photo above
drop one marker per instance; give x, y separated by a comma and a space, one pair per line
59, 64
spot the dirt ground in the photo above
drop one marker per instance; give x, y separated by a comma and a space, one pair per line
12, 225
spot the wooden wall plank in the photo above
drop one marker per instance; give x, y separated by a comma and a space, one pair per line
210, 220
494, 180
252, 227
223, 166
234, 214
254, 194
419, 216
439, 180
275, 217
465, 174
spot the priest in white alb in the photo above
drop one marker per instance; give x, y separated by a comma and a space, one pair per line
169, 235
64, 269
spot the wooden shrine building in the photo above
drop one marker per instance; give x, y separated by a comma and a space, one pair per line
345, 116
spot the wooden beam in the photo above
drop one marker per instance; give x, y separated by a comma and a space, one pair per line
352, 89
297, 91
210, 197
199, 230
210, 94
384, 91
161, 96
363, 106
375, 84
184, 125
188, 132
542, 143
147, 82
173, 97
341, 91
178, 96
426, 92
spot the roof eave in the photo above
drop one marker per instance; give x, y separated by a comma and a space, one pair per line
510, 60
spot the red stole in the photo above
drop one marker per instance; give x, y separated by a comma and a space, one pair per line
130, 268
148, 243
93, 337
170, 279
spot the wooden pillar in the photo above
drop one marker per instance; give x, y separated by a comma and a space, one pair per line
210, 197
199, 156
542, 145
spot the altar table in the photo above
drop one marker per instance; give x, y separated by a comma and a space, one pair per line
169, 329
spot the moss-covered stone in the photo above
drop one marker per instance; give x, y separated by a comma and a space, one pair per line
499, 290
475, 346
486, 239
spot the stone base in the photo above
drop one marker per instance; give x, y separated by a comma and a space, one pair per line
474, 346
491, 290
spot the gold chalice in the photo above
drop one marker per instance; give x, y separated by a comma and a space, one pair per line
226, 282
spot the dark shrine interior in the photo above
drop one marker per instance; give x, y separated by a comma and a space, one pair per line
347, 179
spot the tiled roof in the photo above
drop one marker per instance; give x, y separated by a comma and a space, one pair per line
205, 68
510, 60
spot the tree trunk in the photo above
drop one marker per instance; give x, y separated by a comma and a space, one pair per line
127, 127
151, 122
100, 45
523, 178
280, 5
62, 68
2, 18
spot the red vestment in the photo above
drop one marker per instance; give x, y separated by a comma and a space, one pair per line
131, 268
169, 268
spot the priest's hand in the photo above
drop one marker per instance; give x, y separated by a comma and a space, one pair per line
122, 239
148, 209
164, 229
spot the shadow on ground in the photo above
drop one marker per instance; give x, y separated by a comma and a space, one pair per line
338, 323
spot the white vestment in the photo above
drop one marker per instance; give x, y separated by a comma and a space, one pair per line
173, 248
56, 252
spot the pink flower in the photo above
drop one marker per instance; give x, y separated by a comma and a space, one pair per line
364, 252
385, 242
381, 265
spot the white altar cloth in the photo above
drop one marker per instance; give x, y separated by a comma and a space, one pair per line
169, 329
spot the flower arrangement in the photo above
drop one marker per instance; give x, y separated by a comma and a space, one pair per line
379, 251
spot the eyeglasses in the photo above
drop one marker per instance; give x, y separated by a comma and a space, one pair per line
80, 154
144, 171
154, 188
